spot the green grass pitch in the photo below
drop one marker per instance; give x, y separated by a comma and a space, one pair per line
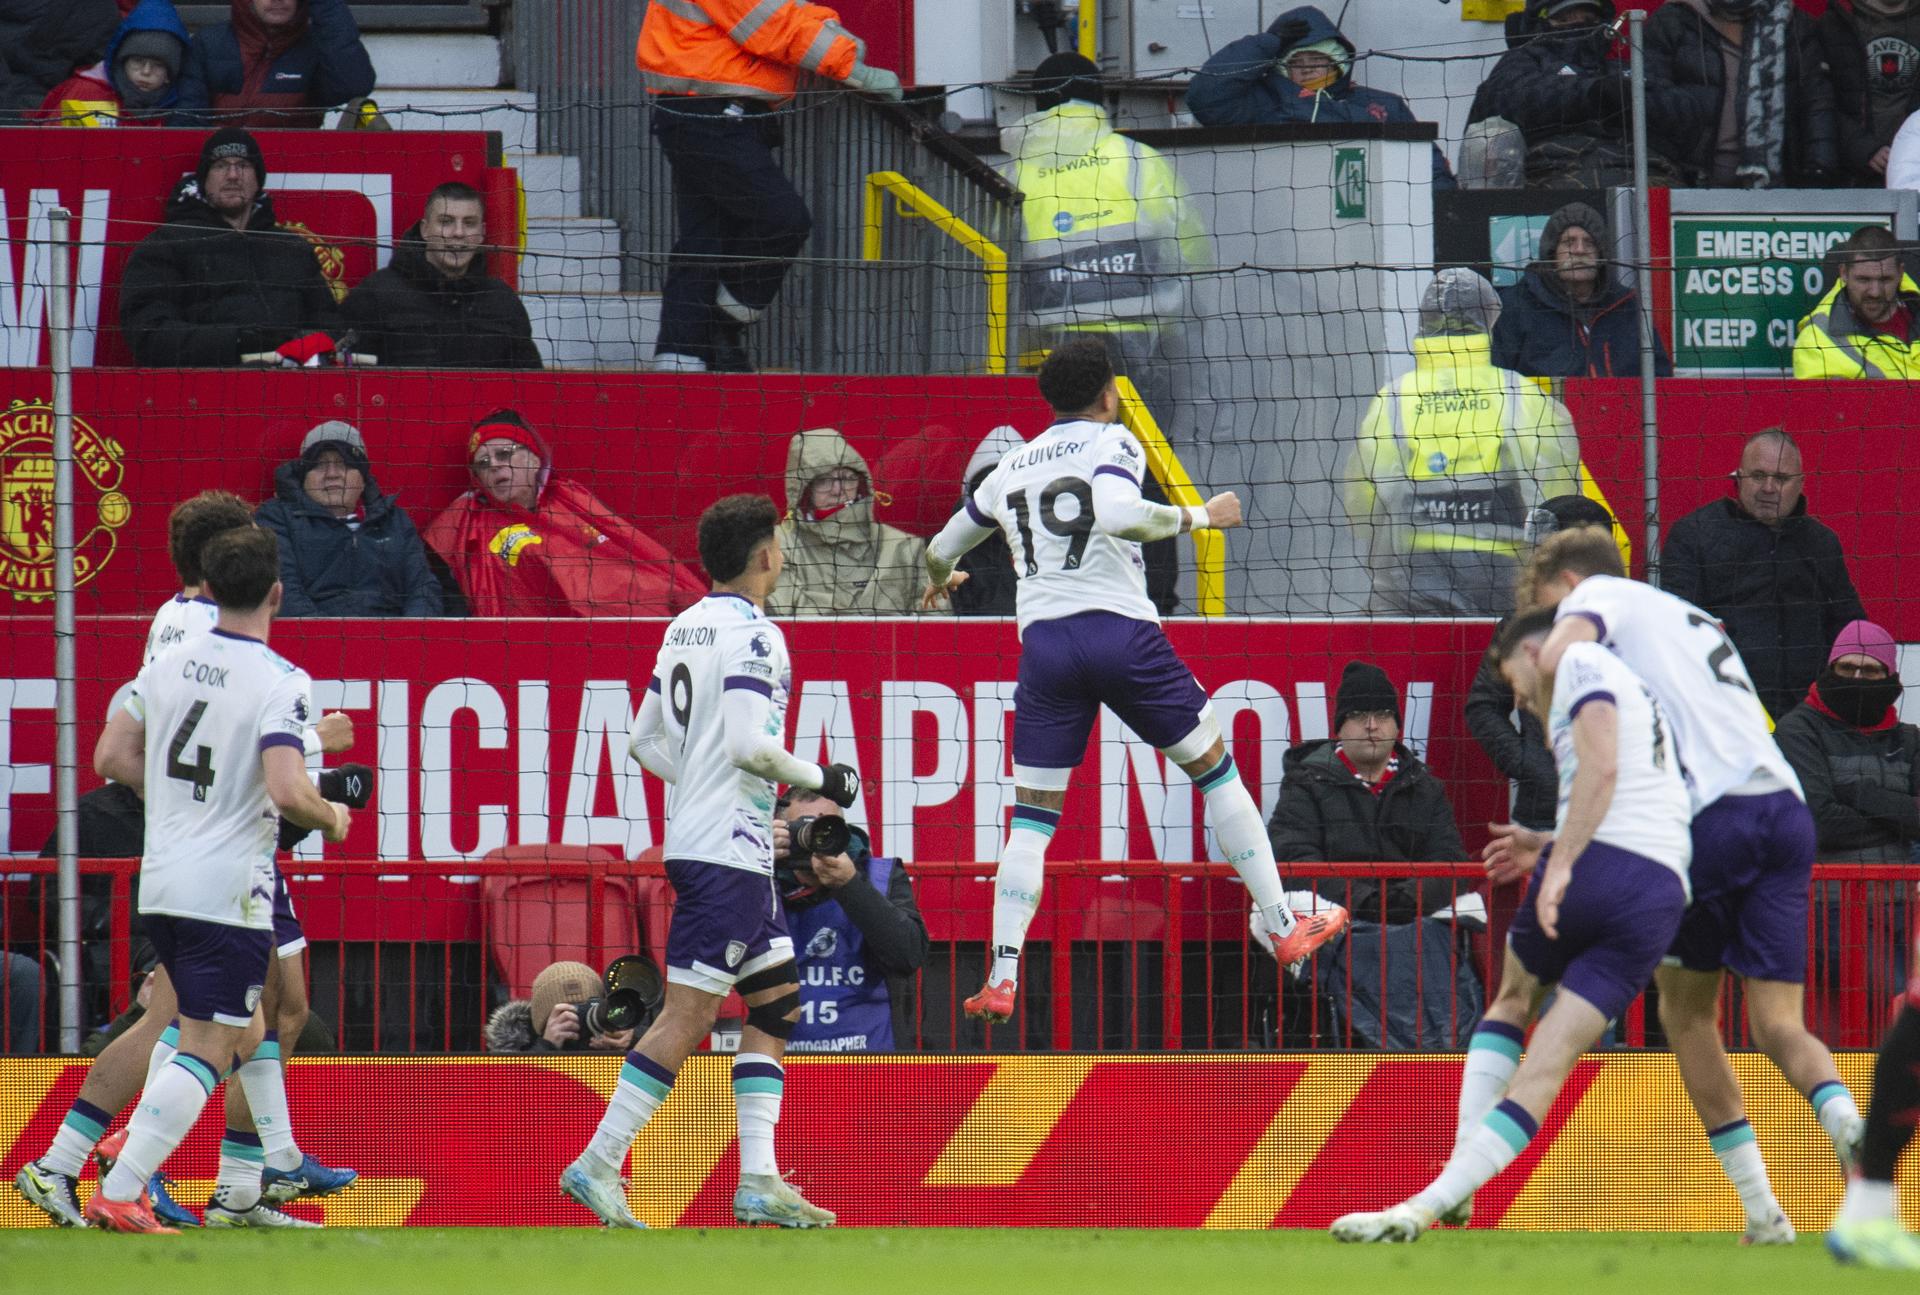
986, 1261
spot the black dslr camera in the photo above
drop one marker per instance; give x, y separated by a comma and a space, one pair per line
634, 993
826, 834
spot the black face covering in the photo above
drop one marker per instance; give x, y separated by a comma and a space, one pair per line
1860, 702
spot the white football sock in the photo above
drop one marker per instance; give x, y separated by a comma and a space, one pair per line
165, 1115
241, 1158
1740, 1156
1242, 835
1017, 884
264, 1080
163, 1051
1496, 1143
1836, 1110
1493, 1054
1867, 1201
644, 1084
758, 1083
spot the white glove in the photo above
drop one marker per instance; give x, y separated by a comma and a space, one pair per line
875, 81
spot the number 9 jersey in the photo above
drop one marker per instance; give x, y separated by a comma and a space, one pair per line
1041, 497
211, 705
718, 812
1693, 669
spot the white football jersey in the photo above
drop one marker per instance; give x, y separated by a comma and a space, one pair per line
179, 619
1041, 497
1692, 667
211, 705
717, 812
1651, 810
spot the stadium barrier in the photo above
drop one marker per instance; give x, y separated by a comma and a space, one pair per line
1057, 1141
410, 957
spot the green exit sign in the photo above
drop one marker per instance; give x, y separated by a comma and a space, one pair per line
1349, 184
1742, 283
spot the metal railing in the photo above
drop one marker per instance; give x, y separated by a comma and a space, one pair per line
911, 202
913, 313
1122, 956
1209, 546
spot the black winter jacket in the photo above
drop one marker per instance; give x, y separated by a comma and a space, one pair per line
1543, 334
42, 42
1686, 80
1782, 593
332, 569
328, 65
1520, 753
1853, 70
1860, 786
1326, 815
412, 316
198, 293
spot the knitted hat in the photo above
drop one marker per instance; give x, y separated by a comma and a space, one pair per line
1067, 75
334, 434
1364, 687
1864, 638
231, 141
563, 982
161, 45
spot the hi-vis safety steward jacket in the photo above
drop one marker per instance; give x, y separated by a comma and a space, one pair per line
1107, 227
1452, 456
741, 49
1833, 343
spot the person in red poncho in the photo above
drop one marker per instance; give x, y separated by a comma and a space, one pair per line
524, 542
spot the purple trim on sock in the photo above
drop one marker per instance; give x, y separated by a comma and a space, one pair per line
758, 1070
238, 1138
1518, 1114
87, 1110
1728, 1128
648, 1066
273, 1036
1502, 1029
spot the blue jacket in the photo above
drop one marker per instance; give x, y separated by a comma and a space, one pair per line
153, 15
1243, 85
331, 569
319, 63
1542, 334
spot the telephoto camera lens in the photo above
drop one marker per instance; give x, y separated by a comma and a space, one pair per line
619, 1010
825, 834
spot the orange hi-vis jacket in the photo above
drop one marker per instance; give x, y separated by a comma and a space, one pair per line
743, 49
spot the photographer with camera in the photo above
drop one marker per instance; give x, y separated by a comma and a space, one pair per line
573, 1009
856, 929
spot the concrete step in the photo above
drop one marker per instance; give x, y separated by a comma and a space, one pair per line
571, 255
511, 112
451, 60
551, 182
612, 329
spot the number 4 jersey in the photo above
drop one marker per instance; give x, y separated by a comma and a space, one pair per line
1041, 496
1696, 674
211, 705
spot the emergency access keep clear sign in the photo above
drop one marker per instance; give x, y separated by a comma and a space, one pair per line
1741, 284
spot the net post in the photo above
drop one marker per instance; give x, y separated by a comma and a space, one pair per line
1643, 236
66, 736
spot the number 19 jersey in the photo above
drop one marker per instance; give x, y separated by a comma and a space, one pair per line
718, 812
211, 705
1702, 685
1041, 496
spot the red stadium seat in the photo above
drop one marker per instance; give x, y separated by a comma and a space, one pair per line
533, 921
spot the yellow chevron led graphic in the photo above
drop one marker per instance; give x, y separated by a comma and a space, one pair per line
1312, 1110
1009, 1121
676, 1152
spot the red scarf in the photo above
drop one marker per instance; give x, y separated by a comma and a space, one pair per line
568, 556
1386, 774
1887, 721
260, 46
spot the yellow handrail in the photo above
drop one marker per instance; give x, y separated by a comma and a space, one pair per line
1209, 547
911, 201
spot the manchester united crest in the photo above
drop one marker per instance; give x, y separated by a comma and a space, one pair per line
26, 500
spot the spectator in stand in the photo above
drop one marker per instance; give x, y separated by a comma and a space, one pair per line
1514, 739
22, 988
276, 63
715, 73
1569, 317
1903, 163
1773, 577
219, 283
1872, 48
990, 586
1449, 460
526, 541
1708, 61
548, 1020
858, 937
1362, 796
1868, 324
43, 41
840, 558
1859, 765
1300, 69
137, 82
435, 306
345, 548
1559, 85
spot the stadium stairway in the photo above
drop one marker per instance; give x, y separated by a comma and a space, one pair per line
570, 276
